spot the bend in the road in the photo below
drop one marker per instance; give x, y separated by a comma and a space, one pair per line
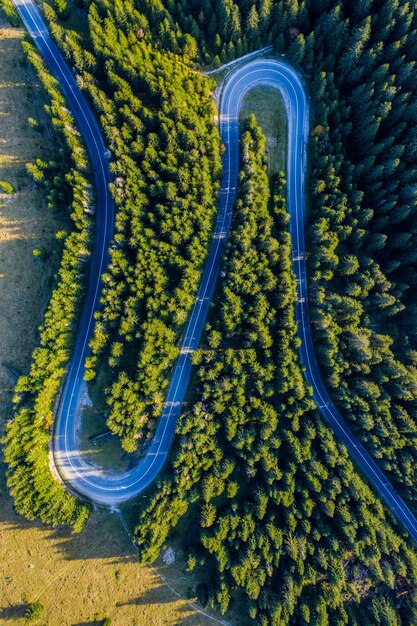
113, 488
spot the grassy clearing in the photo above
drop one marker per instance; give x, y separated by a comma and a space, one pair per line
99, 445
105, 451
267, 105
80, 579
83, 578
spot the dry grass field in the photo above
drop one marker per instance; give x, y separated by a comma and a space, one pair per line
80, 579
25, 221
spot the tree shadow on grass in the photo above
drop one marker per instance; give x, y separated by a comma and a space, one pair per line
103, 537
158, 596
13, 611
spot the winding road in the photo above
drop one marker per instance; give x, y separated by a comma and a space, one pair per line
113, 488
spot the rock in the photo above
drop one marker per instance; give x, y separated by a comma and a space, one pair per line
169, 556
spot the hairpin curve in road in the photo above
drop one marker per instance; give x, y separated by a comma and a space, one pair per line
113, 488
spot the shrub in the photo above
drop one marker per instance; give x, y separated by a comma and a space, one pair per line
36, 125
6, 187
10, 12
34, 611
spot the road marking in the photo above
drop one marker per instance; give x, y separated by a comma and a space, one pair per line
295, 183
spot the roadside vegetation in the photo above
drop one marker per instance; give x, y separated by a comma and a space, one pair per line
41, 565
24, 223
158, 115
358, 59
10, 11
35, 490
272, 504
269, 507
363, 231
358, 62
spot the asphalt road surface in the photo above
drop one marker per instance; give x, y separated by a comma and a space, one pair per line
112, 488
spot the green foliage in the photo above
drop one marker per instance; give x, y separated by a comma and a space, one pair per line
35, 124
62, 9
36, 170
273, 507
34, 611
35, 491
40, 253
158, 116
270, 505
11, 13
225, 29
363, 231
6, 187
359, 59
